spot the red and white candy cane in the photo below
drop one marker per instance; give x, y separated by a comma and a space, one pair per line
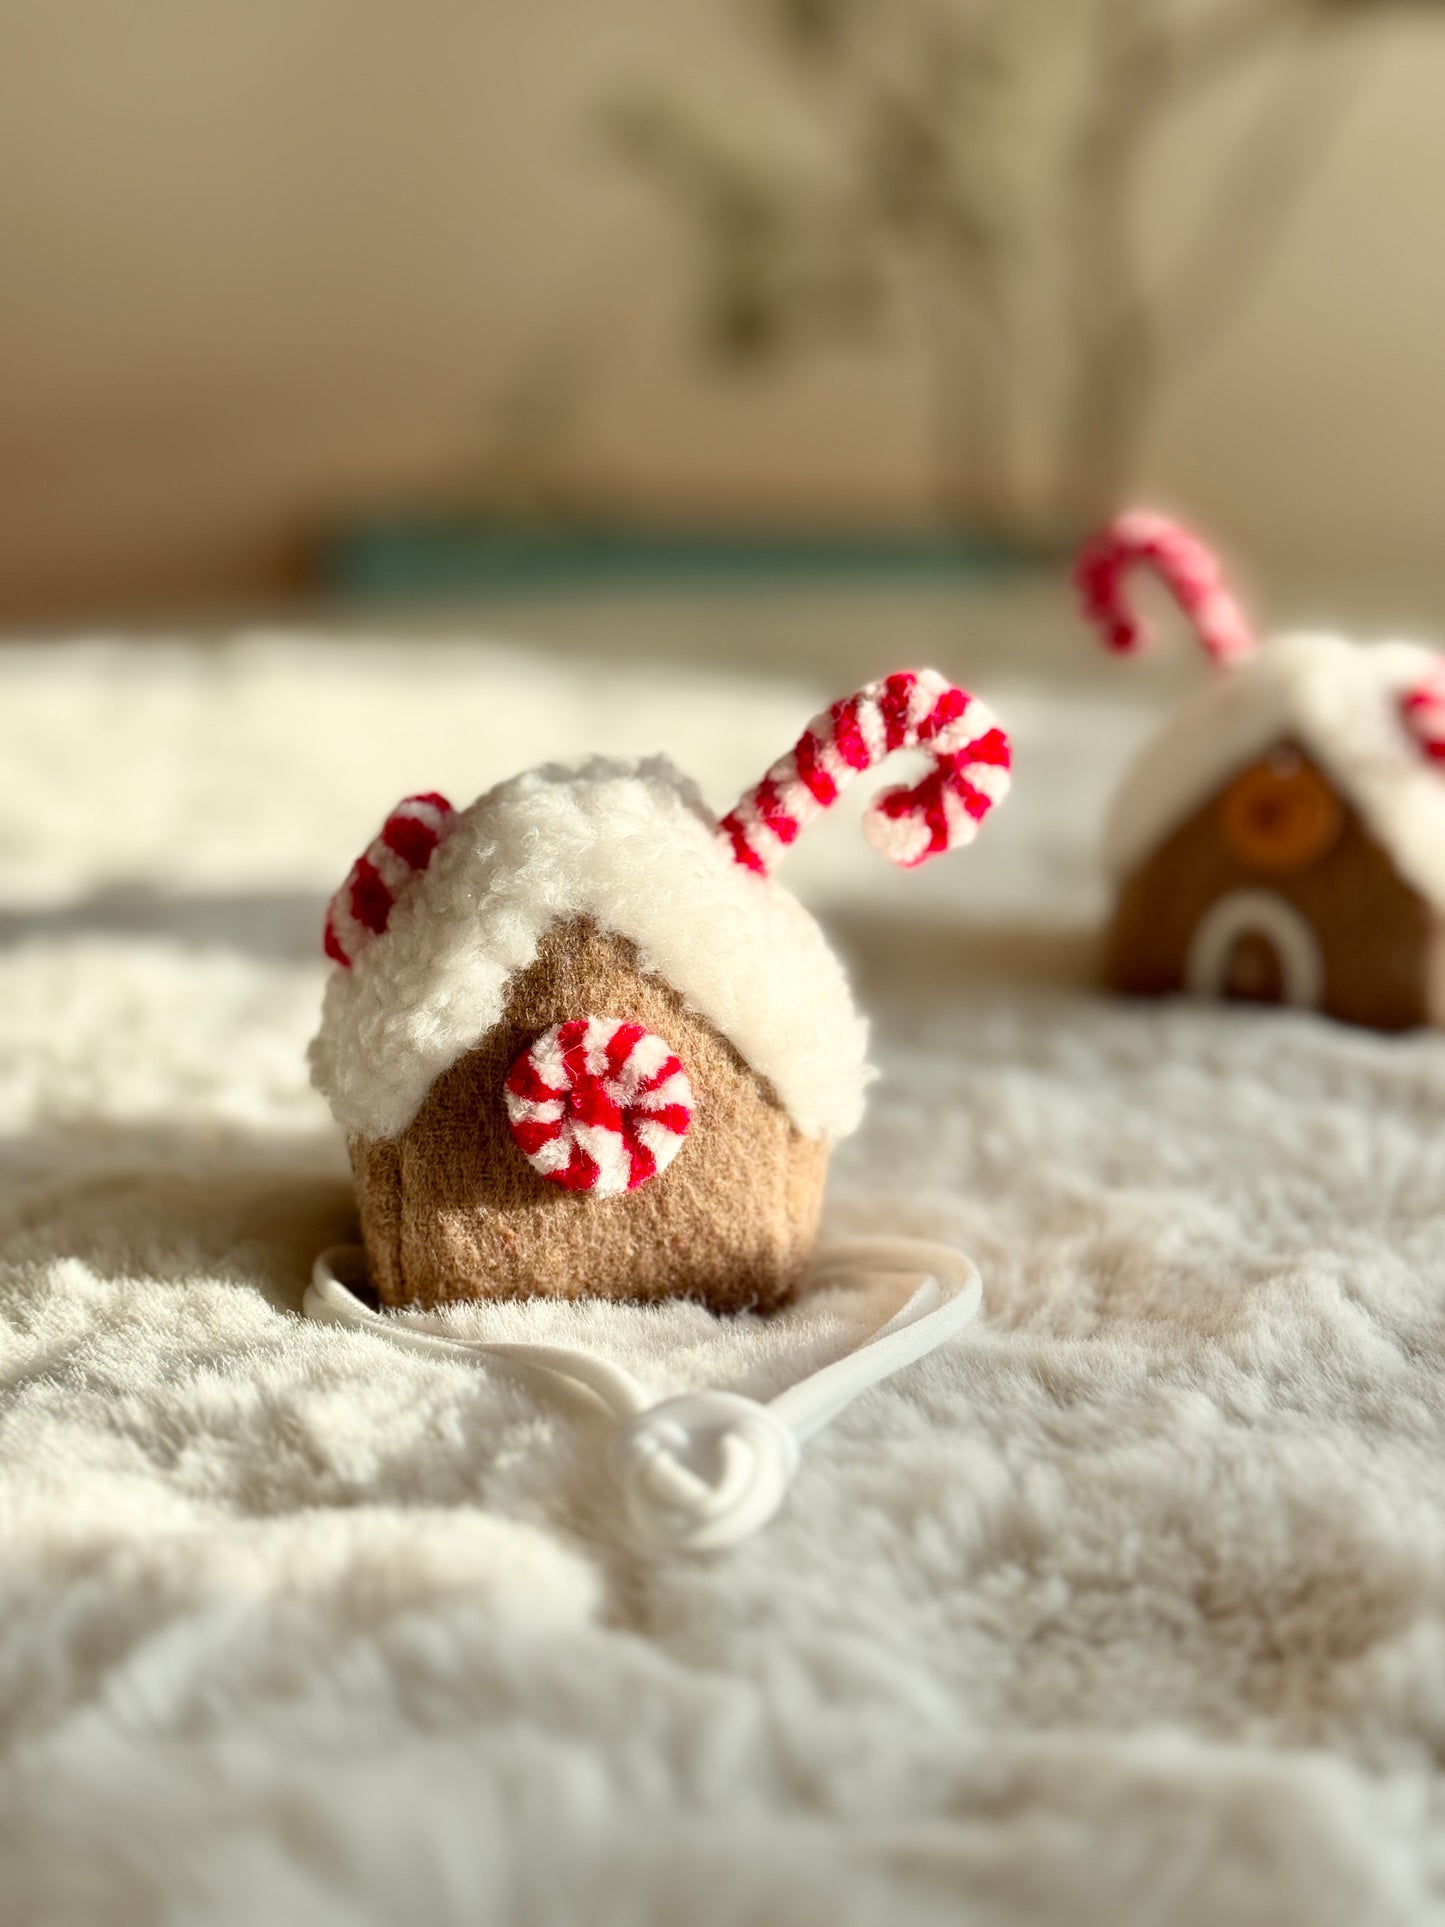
1188, 569
598, 1104
1422, 710
362, 907
911, 710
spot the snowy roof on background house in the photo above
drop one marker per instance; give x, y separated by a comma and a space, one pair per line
1341, 701
634, 847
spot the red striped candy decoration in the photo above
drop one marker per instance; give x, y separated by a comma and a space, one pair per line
1187, 568
362, 907
919, 709
598, 1104
1422, 710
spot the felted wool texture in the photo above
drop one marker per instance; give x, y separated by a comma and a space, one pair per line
1377, 936
451, 1209
1126, 1608
1340, 700
633, 846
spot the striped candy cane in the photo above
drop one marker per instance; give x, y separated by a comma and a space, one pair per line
1142, 539
1422, 710
911, 710
362, 907
598, 1104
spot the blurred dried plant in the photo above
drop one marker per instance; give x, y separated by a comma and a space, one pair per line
981, 167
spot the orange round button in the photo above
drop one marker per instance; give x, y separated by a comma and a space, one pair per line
1281, 814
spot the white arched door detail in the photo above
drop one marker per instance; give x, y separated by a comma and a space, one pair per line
1256, 913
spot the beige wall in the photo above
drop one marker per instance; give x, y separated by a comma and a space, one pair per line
265, 261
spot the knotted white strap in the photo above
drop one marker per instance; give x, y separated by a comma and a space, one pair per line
702, 1470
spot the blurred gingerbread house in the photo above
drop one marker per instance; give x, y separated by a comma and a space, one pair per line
1282, 837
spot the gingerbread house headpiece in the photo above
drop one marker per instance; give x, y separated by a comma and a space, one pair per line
1282, 836
582, 1041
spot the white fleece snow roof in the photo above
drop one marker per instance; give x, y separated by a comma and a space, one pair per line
632, 846
1340, 701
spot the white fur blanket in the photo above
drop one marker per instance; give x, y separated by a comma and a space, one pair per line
1127, 1608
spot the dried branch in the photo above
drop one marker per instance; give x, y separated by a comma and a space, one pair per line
935, 201
1110, 321
1268, 174
810, 31
1209, 46
784, 262
1127, 337
931, 189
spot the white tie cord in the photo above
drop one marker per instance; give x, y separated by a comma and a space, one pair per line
700, 1471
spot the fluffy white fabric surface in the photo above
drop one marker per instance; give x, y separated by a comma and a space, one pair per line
1128, 1608
633, 845
1341, 701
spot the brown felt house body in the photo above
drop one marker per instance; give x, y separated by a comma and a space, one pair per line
732, 1222
1283, 840
600, 893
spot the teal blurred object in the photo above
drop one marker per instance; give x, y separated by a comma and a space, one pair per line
417, 558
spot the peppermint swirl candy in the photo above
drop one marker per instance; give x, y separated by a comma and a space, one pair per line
599, 1104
